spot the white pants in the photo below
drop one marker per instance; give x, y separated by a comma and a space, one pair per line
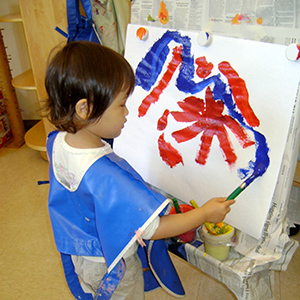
131, 287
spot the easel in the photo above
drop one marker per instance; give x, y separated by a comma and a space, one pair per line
252, 276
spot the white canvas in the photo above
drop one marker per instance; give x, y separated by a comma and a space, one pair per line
261, 70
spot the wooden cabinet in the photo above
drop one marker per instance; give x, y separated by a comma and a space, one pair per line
39, 18
24, 81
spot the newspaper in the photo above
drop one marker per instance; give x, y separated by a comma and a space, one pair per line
248, 279
273, 21
294, 206
294, 202
249, 270
184, 14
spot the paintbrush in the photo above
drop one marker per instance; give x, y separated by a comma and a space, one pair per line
176, 206
237, 191
258, 171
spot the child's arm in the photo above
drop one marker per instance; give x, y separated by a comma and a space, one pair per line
214, 211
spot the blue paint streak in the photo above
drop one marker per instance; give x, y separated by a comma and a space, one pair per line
151, 66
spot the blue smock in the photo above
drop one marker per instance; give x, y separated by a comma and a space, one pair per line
101, 217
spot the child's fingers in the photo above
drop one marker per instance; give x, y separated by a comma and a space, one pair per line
218, 199
230, 202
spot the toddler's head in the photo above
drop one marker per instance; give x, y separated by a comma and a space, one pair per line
84, 70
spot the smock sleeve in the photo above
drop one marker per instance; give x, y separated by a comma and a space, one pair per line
123, 202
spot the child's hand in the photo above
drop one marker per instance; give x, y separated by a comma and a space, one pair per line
213, 211
216, 209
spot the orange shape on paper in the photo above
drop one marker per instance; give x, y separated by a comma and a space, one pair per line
259, 21
163, 13
235, 20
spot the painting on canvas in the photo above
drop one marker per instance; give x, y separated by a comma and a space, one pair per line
204, 119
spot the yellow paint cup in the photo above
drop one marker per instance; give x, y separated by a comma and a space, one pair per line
219, 245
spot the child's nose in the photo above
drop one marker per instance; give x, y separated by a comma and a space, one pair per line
126, 111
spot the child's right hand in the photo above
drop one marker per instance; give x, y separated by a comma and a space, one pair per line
216, 209
213, 211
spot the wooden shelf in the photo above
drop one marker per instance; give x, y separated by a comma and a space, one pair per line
297, 176
24, 81
35, 138
11, 18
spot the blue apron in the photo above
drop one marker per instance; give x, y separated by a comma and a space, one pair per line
101, 217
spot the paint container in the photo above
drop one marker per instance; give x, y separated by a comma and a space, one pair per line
190, 235
217, 246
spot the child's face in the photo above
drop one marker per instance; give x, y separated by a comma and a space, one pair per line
113, 119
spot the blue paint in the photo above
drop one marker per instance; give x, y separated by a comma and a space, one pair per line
150, 68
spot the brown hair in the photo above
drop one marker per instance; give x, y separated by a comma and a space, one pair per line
84, 70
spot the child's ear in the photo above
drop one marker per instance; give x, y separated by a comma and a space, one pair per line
82, 108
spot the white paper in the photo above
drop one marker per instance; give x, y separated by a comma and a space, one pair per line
271, 81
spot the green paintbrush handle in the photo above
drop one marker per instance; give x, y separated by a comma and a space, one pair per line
176, 205
235, 193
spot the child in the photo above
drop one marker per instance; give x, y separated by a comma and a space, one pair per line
99, 206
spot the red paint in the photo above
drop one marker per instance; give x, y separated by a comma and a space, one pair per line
163, 120
204, 68
192, 104
168, 153
156, 92
188, 133
191, 234
298, 56
239, 92
238, 131
209, 120
191, 107
225, 145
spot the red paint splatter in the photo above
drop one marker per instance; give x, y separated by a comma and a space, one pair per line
209, 120
240, 18
163, 120
191, 107
204, 68
239, 92
156, 92
168, 153
101, 29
